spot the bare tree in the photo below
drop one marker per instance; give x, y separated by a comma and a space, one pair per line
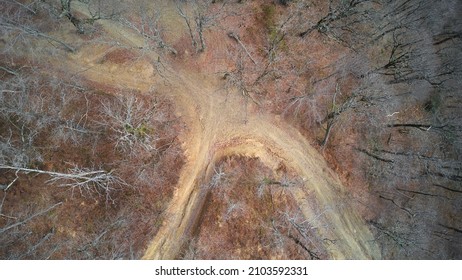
26, 220
86, 181
98, 10
335, 111
342, 20
199, 15
129, 119
147, 22
19, 25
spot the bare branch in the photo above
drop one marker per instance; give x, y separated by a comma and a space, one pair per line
236, 37
85, 180
2, 230
30, 31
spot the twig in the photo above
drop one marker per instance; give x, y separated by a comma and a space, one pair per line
9, 71
10, 184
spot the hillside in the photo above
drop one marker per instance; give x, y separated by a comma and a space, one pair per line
230, 129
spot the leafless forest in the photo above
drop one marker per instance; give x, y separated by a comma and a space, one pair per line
112, 112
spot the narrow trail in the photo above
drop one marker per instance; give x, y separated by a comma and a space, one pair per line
218, 127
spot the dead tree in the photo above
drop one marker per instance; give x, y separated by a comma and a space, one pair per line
129, 118
341, 20
26, 220
147, 23
232, 35
335, 111
98, 10
199, 15
84, 180
13, 25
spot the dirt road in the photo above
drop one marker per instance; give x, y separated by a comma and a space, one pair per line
219, 126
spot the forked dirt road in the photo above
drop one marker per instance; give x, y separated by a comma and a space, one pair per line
217, 127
